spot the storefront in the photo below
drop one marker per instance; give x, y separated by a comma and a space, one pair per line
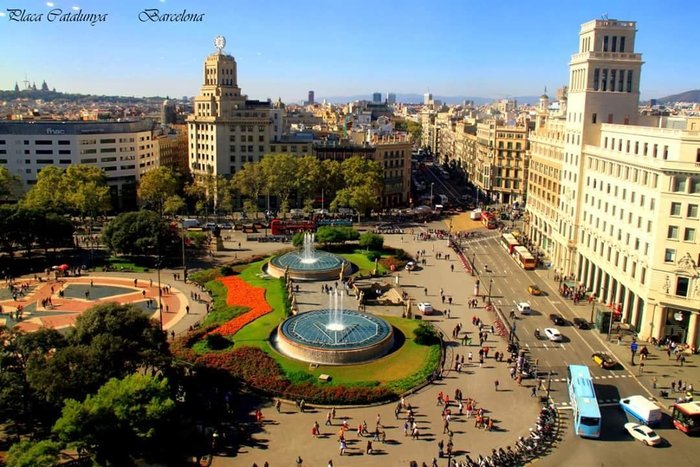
681, 326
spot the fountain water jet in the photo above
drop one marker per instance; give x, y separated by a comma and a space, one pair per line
308, 253
335, 315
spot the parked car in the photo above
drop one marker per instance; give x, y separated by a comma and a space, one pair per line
643, 433
553, 334
296, 212
225, 226
557, 319
523, 308
425, 307
581, 323
534, 290
604, 360
410, 266
210, 225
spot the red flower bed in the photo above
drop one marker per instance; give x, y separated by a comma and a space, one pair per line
240, 293
251, 365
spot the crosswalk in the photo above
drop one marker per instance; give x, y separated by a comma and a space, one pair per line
611, 402
563, 380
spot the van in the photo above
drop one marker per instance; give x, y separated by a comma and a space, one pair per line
642, 409
189, 223
475, 215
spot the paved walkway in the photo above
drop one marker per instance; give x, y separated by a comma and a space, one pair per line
285, 436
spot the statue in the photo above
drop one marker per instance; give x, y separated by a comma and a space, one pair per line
286, 274
376, 266
342, 270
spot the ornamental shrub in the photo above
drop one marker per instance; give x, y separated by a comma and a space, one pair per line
426, 334
371, 241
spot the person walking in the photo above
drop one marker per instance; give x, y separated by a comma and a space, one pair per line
495, 385
328, 419
533, 391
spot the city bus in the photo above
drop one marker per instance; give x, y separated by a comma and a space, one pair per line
583, 401
508, 242
489, 220
523, 257
686, 417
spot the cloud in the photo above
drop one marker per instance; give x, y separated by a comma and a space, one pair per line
2, 13
76, 8
49, 4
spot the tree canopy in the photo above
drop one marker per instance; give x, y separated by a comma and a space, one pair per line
139, 233
80, 189
157, 187
120, 422
10, 185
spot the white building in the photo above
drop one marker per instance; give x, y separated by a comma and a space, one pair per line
628, 192
226, 129
123, 150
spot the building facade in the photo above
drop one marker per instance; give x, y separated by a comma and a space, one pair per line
226, 129
626, 218
123, 150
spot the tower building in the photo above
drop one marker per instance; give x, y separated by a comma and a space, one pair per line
227, 129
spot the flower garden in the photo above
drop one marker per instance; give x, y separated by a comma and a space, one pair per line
247, 309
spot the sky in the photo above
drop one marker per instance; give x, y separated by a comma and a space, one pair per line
285, 48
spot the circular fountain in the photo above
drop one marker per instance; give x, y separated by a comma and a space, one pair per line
308, 264
335, 336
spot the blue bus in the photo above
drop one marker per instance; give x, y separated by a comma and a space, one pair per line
583, 401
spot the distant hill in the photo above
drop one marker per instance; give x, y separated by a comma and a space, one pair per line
418, 99
49, 96
688, 96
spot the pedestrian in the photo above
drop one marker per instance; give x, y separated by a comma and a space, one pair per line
333, 413
278, 405
481, 361
495, 385
469, 357
533, 391
641, 366
653, 382
681, 360
425, 290
328, 419
187, 309
300, 462
369, 447
673, 386
452, 267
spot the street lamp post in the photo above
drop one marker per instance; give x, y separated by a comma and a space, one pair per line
432, 184
490, 284
160, 293
653, 317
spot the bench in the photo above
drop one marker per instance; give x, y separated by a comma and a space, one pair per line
324, 377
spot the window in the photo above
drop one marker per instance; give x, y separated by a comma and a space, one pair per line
622, 43
682, 286
693, 211
695, 185
605, 43
675, 209
595, 118
672, 232
689, 235
629, 84
679, 185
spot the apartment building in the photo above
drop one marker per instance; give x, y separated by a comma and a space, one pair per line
626, 217
123, 150
227, 129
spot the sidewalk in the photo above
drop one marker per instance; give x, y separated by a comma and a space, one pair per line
658, 367
287, 434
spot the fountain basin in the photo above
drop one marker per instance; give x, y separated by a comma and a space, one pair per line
326, 266
313, 337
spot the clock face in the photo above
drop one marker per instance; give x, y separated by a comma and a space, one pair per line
219, 42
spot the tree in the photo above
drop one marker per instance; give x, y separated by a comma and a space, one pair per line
156, 187
371, 241
308, 176
108, 341
362, 184
80, 189
250, 181
139, 233
121, 422
280, 173
28, 453
329, 234
10, 185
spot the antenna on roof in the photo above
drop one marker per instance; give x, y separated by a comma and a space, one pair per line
604, 16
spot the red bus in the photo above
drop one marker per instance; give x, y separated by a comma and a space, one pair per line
686, 417
508, 242
524, 258
292, 226
489, 220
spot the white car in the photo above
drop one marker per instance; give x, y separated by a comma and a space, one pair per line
524, 308
553, 334
425, 307
643, 433
410, 266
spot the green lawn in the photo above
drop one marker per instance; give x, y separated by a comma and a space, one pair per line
359, 258
401, 370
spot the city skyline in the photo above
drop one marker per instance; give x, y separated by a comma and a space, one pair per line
285, 50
